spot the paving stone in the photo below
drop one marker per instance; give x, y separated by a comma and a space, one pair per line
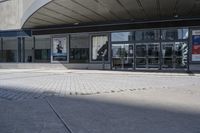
30, 84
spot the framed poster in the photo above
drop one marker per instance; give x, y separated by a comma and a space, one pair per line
196, 45
60, 49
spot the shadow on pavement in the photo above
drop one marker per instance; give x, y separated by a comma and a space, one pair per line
87, 115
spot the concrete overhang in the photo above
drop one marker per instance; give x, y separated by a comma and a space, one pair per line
52, 13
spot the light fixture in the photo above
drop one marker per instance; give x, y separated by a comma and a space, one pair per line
76, 23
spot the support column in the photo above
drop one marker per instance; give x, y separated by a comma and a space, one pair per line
19, 50
1, 55
33, 50
23, 49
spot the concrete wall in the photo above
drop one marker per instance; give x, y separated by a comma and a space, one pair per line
14, 13
10, 14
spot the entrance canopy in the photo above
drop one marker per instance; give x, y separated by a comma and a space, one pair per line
85, 12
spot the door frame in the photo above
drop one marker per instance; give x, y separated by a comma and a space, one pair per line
122, 64
146, 57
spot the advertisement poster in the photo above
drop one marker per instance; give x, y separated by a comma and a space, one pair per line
59, 49
196, 45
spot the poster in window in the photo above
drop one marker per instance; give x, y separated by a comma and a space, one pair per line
60, 49
196, 45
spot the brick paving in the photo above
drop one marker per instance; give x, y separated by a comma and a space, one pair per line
21, 85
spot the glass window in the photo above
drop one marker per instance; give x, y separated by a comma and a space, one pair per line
122, 36
169, 34
149, 35
42, 48
185, 33
99, 48
181, 52
174, 34
79, 48
10, 46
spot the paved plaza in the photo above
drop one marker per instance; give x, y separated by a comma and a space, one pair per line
83, 101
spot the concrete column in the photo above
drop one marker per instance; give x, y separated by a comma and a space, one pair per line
1, 45
19, 49
23, 49
33, 58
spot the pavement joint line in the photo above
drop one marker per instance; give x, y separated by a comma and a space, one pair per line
58, 115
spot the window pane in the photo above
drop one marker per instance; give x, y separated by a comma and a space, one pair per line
79, 48
139, 35
169, 34
181, 52
122, 36
99, 48
174, 34
10, 46
149, 35
185, 33
42, 49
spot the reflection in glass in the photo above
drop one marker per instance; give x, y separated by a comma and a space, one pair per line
99, 48
141, 51
153, 50
185, 33
122, 56
79, 48
175, 55
10, 49
169, 34
181, 53
149, 35
141, 62
122, 36
174, 34
153, 61
167, 55
167, 63
153, 55
42, 48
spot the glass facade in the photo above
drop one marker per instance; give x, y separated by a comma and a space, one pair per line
159, 49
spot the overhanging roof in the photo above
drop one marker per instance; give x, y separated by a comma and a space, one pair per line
78, 12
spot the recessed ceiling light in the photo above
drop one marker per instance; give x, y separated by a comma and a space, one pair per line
76, 23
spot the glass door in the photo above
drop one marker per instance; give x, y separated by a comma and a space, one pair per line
153, 55
147, 55
123, 56
141, 55
181, 54
168, 55
174, 55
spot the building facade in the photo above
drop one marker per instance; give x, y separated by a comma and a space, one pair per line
137, 35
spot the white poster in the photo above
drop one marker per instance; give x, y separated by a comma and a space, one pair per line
60, 46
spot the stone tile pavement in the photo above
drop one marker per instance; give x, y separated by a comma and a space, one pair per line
36, 84
77, 101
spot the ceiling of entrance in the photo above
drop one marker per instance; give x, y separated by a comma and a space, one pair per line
76, 12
